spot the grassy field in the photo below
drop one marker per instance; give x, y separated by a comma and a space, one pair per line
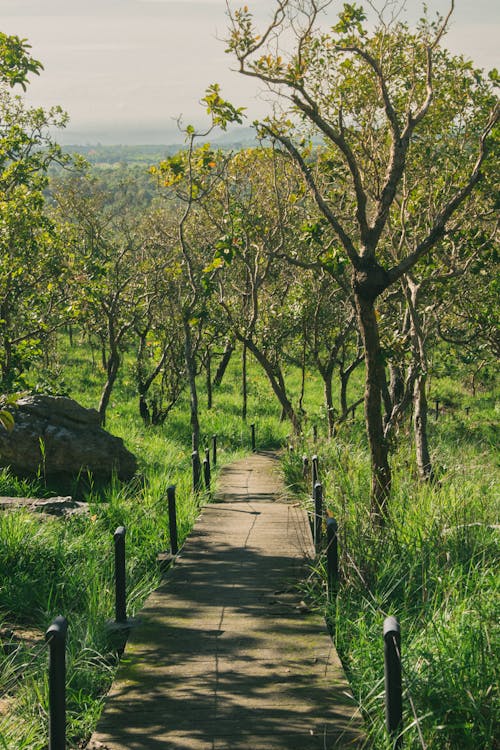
434, 566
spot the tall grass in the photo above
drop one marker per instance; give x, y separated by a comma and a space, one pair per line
65, 566
435, 567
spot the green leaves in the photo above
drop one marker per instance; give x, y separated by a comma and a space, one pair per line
16, 62
223, 113
351, 20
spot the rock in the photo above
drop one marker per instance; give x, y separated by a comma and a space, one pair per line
50, 506
56, 437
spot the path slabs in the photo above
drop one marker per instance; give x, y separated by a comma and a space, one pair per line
227, 656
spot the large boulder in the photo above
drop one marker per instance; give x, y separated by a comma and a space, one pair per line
56, 437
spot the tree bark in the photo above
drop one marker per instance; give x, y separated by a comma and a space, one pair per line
276, 379
330, 411
420, 411
208, 370
244, 383
374, 380
193, 393
228, 350
112, 367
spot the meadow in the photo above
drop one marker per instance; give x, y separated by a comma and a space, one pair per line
433, 566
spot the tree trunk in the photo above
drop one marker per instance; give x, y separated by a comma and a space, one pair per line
244, 383
208, 370
420, 410
193, 393
112, 367
229, 349
327, 385
374, 379
276, 379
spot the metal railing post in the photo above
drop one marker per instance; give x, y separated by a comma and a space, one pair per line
332, 557
172, 520
314, 472
393, 685
56, 637
252, 427
196, 470
120, 587
206, 470
318, 515
214, 450
305, 466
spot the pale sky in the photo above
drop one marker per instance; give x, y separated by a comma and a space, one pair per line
125, 70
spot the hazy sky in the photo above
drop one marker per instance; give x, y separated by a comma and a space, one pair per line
124, 70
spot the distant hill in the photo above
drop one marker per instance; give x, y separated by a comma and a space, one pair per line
146, 154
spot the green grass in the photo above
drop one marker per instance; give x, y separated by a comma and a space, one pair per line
434, 567
66, 566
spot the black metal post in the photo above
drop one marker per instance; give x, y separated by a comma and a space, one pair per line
437, 408
314, 472
206, 470
315, 432
172, 520
252, 427
305, 466
196, 471
56, 637
214, 450
318, 515
393, 685
332, 557
120, 590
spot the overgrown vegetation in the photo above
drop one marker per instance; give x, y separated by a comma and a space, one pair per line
357, 240
53, 566
434, 567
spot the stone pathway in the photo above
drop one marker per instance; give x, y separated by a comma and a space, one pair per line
226, 655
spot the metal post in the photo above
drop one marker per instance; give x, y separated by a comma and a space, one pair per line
315, 432
318, 515
56, 637
214, 450
393, 687
305, 466
332, 557
314, 472
252, 427
437, 408
206, 470
172, 520
196, 470
120, 595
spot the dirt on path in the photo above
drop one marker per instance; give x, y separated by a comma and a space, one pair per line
226, 655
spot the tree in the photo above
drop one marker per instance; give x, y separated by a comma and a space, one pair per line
187, 180
258, 293
32, 266
103, 244
370, 96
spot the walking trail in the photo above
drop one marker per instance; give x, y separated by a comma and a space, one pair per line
226, 655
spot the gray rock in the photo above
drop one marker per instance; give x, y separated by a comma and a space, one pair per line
55, 436
50, 506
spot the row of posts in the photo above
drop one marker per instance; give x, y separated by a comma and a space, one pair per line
203, 469
56, 633
392, 635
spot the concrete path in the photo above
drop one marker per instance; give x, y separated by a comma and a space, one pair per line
227, 656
